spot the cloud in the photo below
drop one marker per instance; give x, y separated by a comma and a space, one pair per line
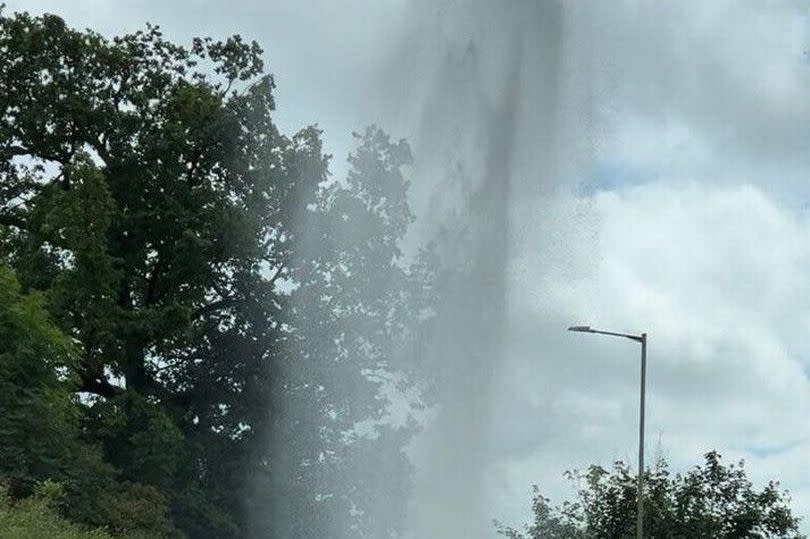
716, 276
716, 91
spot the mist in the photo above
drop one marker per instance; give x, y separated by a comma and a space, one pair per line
634, 166
486, 86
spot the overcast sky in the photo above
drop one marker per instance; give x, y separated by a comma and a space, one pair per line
678, 207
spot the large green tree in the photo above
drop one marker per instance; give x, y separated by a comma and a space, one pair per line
711, 501
234, 314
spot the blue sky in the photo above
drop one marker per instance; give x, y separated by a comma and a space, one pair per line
609, 176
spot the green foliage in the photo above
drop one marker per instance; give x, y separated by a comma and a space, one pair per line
230, 314
40, 434
39, 516
38, 418
135, 510
712, 501
36, 517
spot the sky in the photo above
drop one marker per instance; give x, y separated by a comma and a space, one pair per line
676, 203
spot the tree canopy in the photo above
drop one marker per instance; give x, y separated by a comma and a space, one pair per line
196, 315
711, 501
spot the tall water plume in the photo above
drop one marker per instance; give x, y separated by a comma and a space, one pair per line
496, 116
486, 94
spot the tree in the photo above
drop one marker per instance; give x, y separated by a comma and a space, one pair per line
711, 501
40, 438
233, 314
38, 417
36, 517
356, 313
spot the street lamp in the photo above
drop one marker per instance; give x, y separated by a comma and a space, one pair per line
643, 340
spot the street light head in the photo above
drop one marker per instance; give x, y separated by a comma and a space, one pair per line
584, 329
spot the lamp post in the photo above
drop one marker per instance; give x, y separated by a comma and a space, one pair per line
643, 340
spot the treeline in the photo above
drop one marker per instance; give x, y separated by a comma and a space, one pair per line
194, 316
711, 501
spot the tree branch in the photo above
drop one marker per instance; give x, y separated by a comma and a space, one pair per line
103, 153
151, 287
99, 386
276, 275
14, 150
12, 220
213, 307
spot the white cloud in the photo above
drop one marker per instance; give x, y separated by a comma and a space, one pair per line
710, 90
717, 277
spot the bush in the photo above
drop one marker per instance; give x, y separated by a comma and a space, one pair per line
711, 501
37, 517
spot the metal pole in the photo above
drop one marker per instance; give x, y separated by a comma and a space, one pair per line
643, 340
640, 522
